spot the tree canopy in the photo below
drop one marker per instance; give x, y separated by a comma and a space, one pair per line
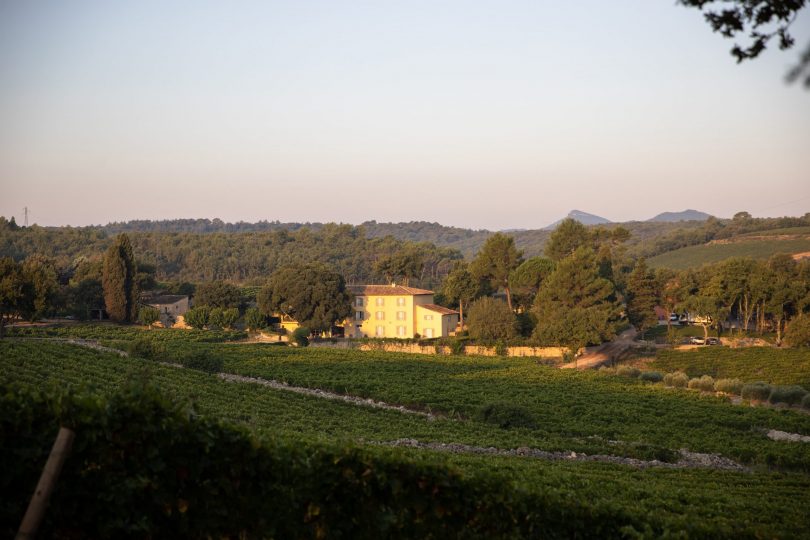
496, 261
575, 306
118, 281
313, 295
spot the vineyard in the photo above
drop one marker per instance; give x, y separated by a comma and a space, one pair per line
771, 365
580, 412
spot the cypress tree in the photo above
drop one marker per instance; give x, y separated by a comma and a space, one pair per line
118, 281
642, 297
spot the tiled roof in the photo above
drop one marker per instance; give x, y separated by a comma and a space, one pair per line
163, 299
385, 290
438, 309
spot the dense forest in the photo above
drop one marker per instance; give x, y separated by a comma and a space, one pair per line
241, 257
199, 250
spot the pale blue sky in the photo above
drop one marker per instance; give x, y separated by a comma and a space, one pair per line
478, 114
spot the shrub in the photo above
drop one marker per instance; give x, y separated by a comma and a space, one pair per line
806, 402
300, 336
201, 361
197, 317
651, 376
758, 391
144, 348
229, 317
254, 319
628, 371
506, 415
729, 386
458, 346
148, 315
679, 379
216, 318
501, 349
704, 383
791, 395
490, 320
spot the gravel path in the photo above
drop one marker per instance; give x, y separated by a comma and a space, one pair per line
366, 402
687, 460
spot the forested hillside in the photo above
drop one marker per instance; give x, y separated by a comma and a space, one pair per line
242, 257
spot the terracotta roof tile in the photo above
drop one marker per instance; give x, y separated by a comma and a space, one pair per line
438, 309
386, 290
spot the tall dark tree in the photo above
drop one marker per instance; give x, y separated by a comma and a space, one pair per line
461, 288
12, 291
569, 235
575, 306
643, 293
495, 262
41, 287
526, 279
313, 295
118, 281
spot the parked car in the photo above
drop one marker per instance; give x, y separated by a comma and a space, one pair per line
674, 317
697, 341
713, 341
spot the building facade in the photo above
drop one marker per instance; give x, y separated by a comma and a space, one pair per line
396, 311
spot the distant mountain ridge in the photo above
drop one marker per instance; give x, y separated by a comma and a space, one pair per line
685, 215
583, 217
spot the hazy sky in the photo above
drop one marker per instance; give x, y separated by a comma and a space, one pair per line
480, 114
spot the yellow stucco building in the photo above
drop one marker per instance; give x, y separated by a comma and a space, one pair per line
396, 311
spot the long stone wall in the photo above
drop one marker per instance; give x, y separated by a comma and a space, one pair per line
415, 348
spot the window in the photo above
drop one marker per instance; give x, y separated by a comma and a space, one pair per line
401, 331
358, 315
400, 315
380, 331
428, 317
400, 301
380, 301
380, 316
358, 301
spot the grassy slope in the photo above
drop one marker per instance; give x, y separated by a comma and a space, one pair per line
694, 256
775, 366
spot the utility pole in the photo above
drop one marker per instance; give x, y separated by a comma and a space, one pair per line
25, 212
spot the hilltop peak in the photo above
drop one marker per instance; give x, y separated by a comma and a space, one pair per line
583, 217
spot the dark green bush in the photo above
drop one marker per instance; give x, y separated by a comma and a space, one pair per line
506, 415
145, 348
628, 371
201, 361
679, 379
758, 391
729, 386
792, 395
501, 349
651, 376
806, 402
704, 383
300, 336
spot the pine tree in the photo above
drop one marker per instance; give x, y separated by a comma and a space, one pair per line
495, 262
575, 306
642, 297
118, 281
